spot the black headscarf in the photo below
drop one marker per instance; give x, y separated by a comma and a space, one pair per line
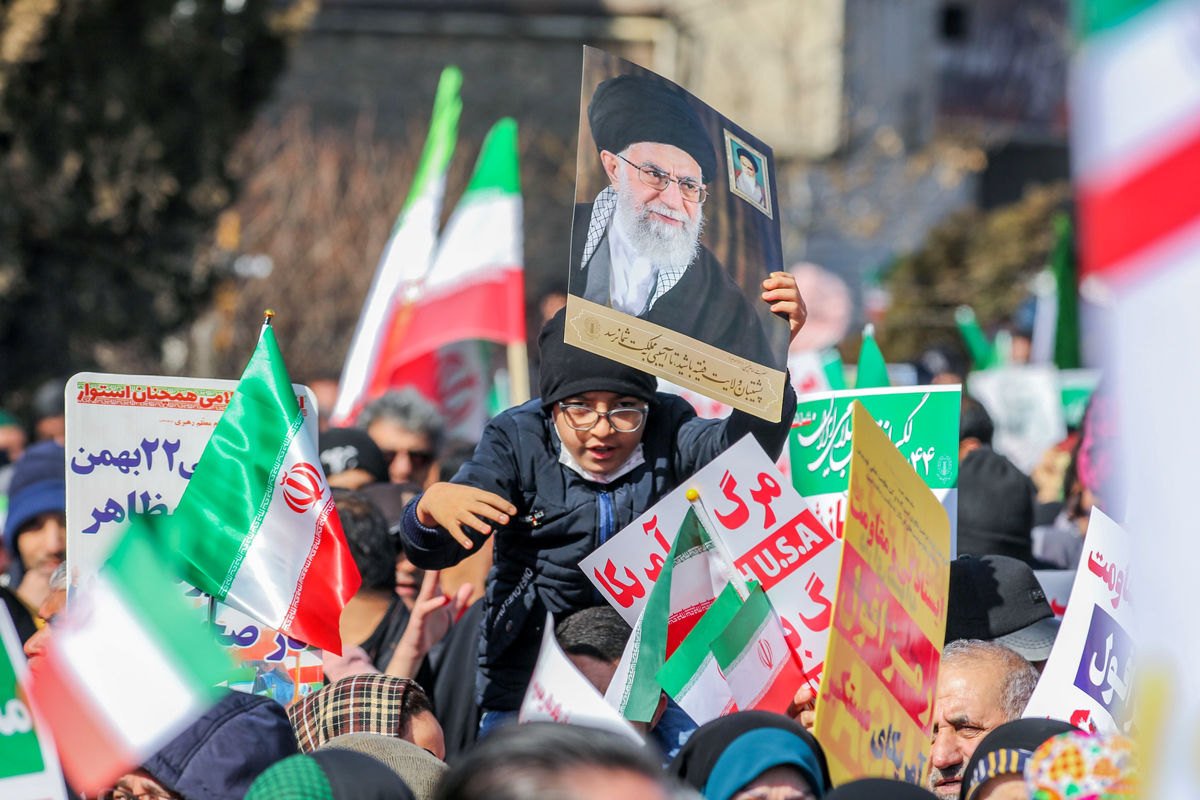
764, 743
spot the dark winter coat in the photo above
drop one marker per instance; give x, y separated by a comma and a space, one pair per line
561, 518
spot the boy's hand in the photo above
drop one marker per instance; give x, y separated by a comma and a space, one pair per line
780, 290
452, 505
803, 708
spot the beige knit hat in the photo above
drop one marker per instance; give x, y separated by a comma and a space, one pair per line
419, 768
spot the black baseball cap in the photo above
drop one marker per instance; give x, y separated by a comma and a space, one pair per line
998, 599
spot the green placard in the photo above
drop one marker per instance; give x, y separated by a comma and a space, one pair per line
922, 421
20, 753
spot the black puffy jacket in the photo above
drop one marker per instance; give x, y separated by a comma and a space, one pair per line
561, 518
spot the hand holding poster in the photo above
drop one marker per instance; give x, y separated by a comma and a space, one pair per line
875, 708
767, 530
1089, 674
648, 287
558, 692
921, 421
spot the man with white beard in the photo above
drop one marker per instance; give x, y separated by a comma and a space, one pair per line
637, 248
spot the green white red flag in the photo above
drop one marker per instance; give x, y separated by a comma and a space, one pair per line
753, 655
256, 527
406, 258
691, 675
1135, 151
130, 666
475, 287
692, 576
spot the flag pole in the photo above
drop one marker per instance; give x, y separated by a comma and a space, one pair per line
268, 315
518, 373
735, 577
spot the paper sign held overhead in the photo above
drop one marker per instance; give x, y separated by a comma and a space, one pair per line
1089, 675
764, 527
876, 702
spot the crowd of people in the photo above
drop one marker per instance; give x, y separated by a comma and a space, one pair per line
462, 559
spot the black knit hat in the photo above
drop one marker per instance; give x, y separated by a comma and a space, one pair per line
568, 370
633, 108
995, 506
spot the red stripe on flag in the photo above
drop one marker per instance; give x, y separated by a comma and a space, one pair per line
327, 582
783, 687
490, 307
1119, 219
92, 753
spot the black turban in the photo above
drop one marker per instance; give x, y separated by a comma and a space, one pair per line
630, 108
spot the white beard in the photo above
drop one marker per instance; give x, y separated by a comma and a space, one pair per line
663, 245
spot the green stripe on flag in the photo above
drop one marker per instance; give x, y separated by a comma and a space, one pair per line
443, 133
230, 491
743, 629
140, 571
643, 693
497, 168
1095, 16
684, 664
1066, 327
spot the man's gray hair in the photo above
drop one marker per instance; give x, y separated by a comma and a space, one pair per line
408, 408
58, 579
1020, 677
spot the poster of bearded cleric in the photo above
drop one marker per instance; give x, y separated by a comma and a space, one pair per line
671, 243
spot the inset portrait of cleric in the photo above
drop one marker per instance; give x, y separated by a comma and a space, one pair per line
748, 177
638, 245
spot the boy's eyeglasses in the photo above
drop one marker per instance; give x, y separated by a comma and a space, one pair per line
584, 418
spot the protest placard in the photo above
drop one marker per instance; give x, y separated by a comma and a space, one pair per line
764, 526
559, 692
876, 704
1089, 673
28, 760
921, 421
663, 291
132, 443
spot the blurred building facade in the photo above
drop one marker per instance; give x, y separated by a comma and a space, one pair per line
884, 115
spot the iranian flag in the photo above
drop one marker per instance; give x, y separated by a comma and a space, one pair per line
475, 288
130, 666
755, 659
256, 527
406, 258
690, 579
691, 675
1135, 150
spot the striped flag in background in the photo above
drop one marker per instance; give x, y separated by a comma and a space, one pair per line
1136, 157
406, 256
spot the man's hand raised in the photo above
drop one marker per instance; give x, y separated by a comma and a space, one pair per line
452, 505
781, 291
